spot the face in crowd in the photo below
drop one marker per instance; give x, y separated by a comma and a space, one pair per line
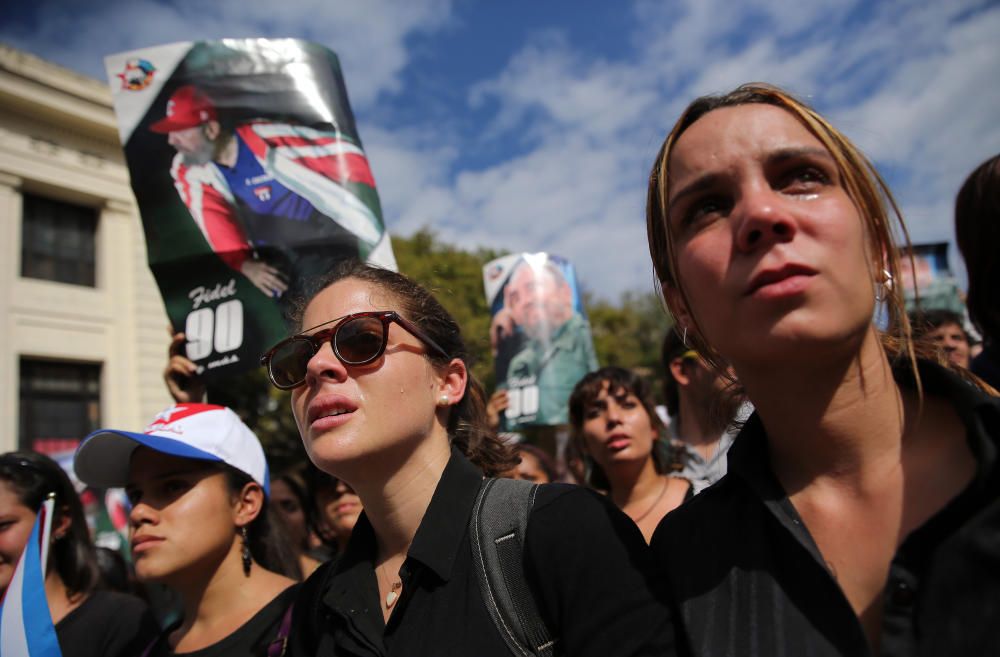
287, 504
531, 468
952, 339
196, 145
363, 421
26, 481
185, 515
339, 508
540, 300
756, 222
617, 428
16, 521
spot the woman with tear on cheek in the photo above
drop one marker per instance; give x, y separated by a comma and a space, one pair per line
860, 514
384, 401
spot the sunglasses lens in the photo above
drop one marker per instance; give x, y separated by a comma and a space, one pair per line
288, 363
360, 340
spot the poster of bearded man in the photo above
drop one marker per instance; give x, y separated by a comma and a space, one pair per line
539, 334
251, 180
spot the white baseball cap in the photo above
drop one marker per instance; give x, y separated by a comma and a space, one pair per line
195, 431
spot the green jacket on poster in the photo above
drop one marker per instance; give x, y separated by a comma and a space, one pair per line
554, 367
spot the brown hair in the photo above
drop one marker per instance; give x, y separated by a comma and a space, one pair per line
862, 182
467, 425
977, 231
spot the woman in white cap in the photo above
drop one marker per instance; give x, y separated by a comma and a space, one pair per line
197, 481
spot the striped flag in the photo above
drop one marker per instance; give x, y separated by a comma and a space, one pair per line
26, 628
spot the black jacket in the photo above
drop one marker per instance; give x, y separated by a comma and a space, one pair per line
749, 579
585, 561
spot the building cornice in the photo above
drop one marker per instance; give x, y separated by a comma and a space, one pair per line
53, 93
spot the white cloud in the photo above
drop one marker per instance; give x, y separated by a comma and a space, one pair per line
575, 132
911, 84
370, 37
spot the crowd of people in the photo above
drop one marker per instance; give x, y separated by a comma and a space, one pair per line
821, 482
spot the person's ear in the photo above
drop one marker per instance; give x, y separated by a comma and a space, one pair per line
677, 371
249, 502
61, 523
453, 380
678, 307
212, 130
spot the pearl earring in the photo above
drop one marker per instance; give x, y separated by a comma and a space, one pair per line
444, 400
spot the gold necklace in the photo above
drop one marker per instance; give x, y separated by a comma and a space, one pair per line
663, 491
393, 595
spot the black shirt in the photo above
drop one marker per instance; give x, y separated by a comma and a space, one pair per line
585, 561
252, 639
750, 580
107, 624
987, 366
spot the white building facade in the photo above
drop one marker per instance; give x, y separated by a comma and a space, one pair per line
84, 334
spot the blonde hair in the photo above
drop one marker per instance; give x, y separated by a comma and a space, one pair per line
862, 182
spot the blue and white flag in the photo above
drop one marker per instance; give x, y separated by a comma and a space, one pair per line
26, 628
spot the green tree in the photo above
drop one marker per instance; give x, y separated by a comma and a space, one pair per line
268, 413
455, 277
629, 333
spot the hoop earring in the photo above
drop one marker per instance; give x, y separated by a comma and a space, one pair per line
883, 288
245, 551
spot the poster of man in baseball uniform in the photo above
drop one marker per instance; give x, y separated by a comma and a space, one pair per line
250, 178
539, 334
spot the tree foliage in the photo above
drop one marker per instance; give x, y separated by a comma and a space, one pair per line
455, 277
630, 333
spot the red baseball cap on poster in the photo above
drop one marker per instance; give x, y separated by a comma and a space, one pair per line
188, 107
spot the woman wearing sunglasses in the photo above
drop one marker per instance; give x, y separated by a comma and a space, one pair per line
383, 398
197, 481
861, 510
89, 621
616, 427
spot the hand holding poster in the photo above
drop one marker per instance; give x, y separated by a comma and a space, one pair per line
250, 179
539, 334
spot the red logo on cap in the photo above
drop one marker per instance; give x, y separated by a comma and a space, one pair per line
166, 419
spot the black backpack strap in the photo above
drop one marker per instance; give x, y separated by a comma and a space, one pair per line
497, 530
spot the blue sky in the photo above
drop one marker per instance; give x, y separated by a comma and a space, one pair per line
532, 125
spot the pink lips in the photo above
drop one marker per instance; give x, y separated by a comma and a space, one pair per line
784, 281
329, 410
144, 542
618, 442
346, 507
